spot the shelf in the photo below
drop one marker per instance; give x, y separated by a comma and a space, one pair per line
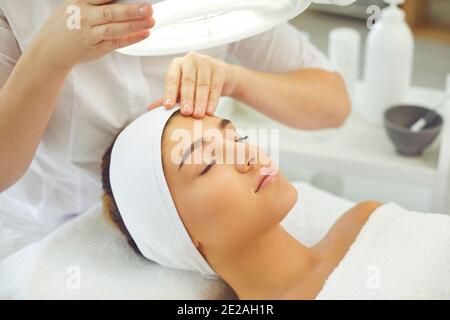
356, 148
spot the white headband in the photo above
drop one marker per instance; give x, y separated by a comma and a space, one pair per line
143, 197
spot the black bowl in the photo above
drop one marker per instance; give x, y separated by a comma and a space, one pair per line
398, 120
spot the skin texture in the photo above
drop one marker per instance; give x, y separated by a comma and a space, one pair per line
238, 231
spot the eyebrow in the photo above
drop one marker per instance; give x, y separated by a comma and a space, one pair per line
200, 142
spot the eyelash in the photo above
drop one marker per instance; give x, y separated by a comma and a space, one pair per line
240, 139
209, 166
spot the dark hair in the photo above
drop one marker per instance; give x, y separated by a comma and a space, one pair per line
109, 203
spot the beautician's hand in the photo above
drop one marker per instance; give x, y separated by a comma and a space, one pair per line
104, 26
197, 82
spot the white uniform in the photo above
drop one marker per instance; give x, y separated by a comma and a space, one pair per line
98, 99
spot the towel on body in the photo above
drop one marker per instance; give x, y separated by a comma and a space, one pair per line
398, 254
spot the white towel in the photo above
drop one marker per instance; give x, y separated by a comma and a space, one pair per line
397, 255
89, 258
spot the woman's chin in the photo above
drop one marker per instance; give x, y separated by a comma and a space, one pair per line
282, 196
291, 195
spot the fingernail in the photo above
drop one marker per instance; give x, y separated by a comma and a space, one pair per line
143, 10
146, 23
168, 102
186, 107
198, 111
210, 109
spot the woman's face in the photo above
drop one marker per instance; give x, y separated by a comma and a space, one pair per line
221, 185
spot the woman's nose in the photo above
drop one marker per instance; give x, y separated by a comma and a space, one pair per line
251, 158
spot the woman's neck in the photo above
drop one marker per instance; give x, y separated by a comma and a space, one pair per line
269, 267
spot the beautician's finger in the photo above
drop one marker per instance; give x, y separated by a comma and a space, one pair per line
120, 12
99, 2
172, 83
121, 29
202, 89
109, 45
155, 104
217, 83
188, 80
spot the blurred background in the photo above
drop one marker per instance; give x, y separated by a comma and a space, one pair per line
429, 20
430, 23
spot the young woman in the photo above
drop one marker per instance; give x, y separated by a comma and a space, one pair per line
232, 212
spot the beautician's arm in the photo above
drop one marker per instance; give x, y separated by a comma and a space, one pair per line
304, 99
26, 103
28, 97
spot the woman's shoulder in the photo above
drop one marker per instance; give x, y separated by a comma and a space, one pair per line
362, 211
335, 245
345, 230
370, 204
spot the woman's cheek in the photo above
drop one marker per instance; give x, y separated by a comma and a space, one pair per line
203, 198
215, 194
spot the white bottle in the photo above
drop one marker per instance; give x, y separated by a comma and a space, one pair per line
343, 53
389, 61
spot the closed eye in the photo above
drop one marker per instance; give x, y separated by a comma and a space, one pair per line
208, 167
240, 139
213, 162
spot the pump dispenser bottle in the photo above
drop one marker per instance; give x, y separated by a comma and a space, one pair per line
388, 65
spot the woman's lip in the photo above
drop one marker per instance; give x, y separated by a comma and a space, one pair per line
266, 180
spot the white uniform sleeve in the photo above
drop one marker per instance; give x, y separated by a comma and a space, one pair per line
9, 49
281, 49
